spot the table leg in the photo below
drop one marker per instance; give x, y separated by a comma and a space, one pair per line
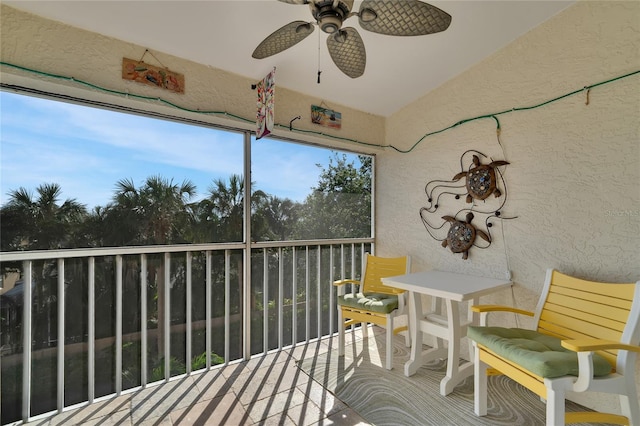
474, 319
438, 350
436, 308
455, 372
415, 314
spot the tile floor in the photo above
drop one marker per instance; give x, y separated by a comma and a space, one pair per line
268, 390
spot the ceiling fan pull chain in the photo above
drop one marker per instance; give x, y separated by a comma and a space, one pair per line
319, 72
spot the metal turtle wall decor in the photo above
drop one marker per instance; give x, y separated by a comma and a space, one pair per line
462, 235
481, 181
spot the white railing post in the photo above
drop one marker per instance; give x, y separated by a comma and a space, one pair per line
307, 301
61, 338
167, 316
91, 332
265, 301
246, 305
280, 299
118, 324
319, 290
294, 297
342, 271
27, 313
144, 362
332, 311
207, 308
227, 304
188, 303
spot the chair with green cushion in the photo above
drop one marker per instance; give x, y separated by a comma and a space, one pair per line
585, 340
375, 302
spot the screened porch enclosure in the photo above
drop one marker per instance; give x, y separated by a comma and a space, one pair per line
212, 248
99, 322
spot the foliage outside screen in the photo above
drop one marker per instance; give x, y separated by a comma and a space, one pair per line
162, 210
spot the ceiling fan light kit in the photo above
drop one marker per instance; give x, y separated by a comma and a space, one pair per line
329, 14
387, 17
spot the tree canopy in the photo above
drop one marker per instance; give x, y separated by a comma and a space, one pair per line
162, 211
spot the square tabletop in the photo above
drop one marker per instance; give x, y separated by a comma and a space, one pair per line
448, 285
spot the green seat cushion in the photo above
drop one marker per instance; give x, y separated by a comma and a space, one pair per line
538, 353
375, 302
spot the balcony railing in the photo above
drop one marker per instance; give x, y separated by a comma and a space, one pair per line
81, 325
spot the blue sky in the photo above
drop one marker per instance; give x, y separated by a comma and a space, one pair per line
87, 150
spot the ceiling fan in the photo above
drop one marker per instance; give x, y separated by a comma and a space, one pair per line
389, 17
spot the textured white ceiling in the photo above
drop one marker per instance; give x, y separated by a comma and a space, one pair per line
223, 34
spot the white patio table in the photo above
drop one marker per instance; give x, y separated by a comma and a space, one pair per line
453, 288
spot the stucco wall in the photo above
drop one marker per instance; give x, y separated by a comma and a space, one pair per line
52, 47
575, 168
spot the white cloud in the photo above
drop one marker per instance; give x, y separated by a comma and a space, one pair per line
87, 150
160, 141
287, 170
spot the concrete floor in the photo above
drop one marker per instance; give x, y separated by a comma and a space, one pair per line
267, 390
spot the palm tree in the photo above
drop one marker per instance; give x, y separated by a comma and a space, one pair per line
274, 218
227, 204
158, 208
158, 213
41, 222
223, 209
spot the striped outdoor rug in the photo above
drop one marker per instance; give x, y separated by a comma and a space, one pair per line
384, 397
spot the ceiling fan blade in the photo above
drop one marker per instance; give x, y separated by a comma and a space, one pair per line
295, 1
283, 38
347, 51
402, 18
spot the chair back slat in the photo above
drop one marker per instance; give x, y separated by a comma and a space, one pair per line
588, 312
377, 268
614, 299
573, 308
